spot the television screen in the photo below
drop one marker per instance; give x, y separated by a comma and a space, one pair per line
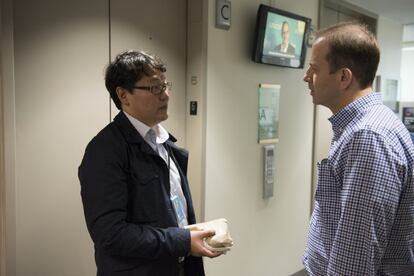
280, 37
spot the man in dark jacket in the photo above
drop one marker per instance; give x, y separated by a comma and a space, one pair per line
134, 189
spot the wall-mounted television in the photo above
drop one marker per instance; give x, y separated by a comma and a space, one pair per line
280, 37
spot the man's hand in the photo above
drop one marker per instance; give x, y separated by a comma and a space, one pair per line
197, 244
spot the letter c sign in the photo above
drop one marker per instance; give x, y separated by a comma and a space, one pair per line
223, 14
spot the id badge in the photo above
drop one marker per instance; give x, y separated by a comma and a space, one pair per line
179, 211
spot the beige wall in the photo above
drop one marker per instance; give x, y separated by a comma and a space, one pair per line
60, 49
195, 91
2, 180
60, 54
9, 137
159, 27
58, 104
270, 235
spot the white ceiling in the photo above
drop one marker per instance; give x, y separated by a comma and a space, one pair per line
397, 10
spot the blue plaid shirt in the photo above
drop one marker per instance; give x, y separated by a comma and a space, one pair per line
363, 221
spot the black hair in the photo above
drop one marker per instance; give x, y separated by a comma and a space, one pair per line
128, 68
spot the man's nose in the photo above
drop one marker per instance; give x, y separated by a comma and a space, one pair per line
165, 95
307, 77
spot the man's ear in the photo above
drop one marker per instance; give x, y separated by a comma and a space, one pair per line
345, 77
122, 95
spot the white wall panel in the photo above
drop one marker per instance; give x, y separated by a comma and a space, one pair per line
407, 72
390, 37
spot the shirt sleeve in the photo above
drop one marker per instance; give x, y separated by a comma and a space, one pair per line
370, 194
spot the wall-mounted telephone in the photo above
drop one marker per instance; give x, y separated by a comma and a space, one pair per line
269, 170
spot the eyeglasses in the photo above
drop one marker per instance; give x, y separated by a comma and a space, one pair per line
156, 89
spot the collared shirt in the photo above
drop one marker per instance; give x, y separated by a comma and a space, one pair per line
156, 137
363, 221
284, 47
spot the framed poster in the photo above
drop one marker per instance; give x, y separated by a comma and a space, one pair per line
268, 117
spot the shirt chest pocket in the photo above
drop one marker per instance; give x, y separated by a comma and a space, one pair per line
146, 199
328, 189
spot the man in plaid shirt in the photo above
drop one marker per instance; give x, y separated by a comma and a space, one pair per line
363, 220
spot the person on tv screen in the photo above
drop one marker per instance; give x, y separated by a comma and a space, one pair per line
363, 219
285, 47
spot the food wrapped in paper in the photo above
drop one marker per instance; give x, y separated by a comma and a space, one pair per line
222, 240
